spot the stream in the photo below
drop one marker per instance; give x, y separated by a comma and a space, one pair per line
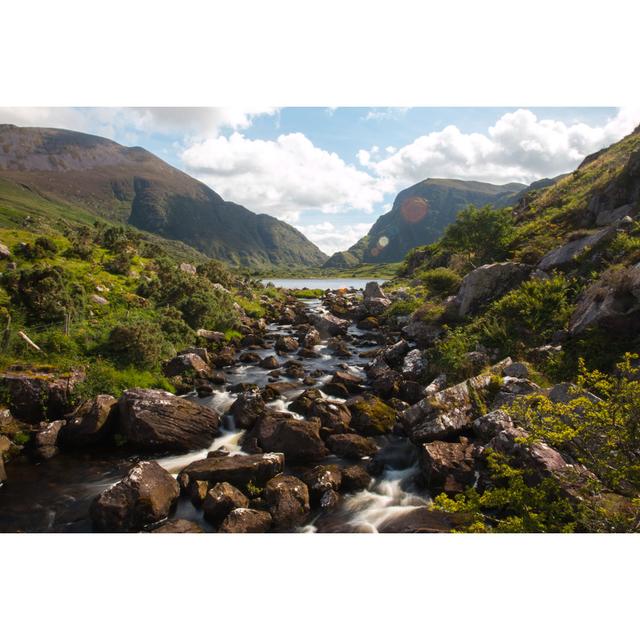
55, 495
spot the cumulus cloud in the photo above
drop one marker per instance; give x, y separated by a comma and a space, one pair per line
518, 147
283, 176
338, 236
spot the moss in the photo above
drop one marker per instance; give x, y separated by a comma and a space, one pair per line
375, 416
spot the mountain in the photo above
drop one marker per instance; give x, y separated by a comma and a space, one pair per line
131, 185
419, 216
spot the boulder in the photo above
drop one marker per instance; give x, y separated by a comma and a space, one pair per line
5, 254
610, 216
370, 415
448, 466
491, 424
154, 420
46, 439
373, 291
221, 499
298, 440
354, 478
270, 362
249, 357
248, 407
565, 255
288, 500
446, 413
351, 382
286, 344
246, 521
612, 303
328, 324
351, 446
179, 526
303, 403
91, 423
198, 490
334, 417
516, 370
38, 394
311, 339
488, 282
237, 470
146, 495
186, 364
394, 355
420, 520
511, 389
369, 323
321, 479
216, 337
414, 365
224, 357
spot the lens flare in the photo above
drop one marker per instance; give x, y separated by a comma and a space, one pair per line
383, 241
414, 209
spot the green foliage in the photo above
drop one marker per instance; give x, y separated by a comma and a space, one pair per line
307, 294
514, 503
602, 433
216, 272
440, 281
403, 307
139, 343
483, 235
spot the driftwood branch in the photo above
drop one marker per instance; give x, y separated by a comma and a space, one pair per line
29, 341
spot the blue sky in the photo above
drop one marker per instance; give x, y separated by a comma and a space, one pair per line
332, 171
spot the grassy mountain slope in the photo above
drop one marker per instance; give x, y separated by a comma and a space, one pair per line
93, 176
418, 216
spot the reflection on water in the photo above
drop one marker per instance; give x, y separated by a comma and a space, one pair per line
321, 283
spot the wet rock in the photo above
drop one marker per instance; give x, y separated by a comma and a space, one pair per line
221, 499
146, 495
198, 490
565, 255
370, 415
275, 390
303, 403
394, 354
248, 407
299, 440
335, 389
286, 344
308, 353
350, 381
321, 479
237, 470
46, 439
329, 499
447, 412
414, 365
186, 364
351, 446
270, 362
421, 520
224, 357
448, 466
246, 521
154, 420
334, 417
288, 500
204, 390
249, 357
179, 526
329, 325
354, 478
293, 369
488, 282
92, 422
368, 324
38, 394
311, 339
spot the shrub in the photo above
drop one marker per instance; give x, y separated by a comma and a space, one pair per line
138, 343
216, 272
402, 308
441, 281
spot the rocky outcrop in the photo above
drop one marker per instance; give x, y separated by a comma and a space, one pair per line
288, 500
447, 412
487, 283
46, 439
375, 301
610, 216
328, 325
146, 495
246, 521
248, 407
154, 420
238, 470
448, 466
92, 422
612, 303
565, 255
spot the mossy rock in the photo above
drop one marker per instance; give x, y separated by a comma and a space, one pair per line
371, 416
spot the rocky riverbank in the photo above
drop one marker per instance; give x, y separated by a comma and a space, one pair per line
322, 418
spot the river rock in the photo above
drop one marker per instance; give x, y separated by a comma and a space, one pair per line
146, 495
448, 466
238, 470
224, 357
91, 423
286, 344
288, 500
350, 381
186, 364
216, 337
488, 282
179, 526
221, 499
328, 324
334, 417
351, 446
298, 440
270, 362
246, 521
311, 339
414, 365
420, 520
370, 415
321, 479
303, 403
154, 420
354, 478
248, 407
197, 490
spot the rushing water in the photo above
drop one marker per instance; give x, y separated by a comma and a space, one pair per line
55, 495
321, 283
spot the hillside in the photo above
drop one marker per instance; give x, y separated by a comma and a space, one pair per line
94, 176
419, 216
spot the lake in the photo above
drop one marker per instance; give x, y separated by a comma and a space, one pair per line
322, 283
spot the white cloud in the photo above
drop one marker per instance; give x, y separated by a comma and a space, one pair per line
519, 147
282, 177
388, 113
332, 237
